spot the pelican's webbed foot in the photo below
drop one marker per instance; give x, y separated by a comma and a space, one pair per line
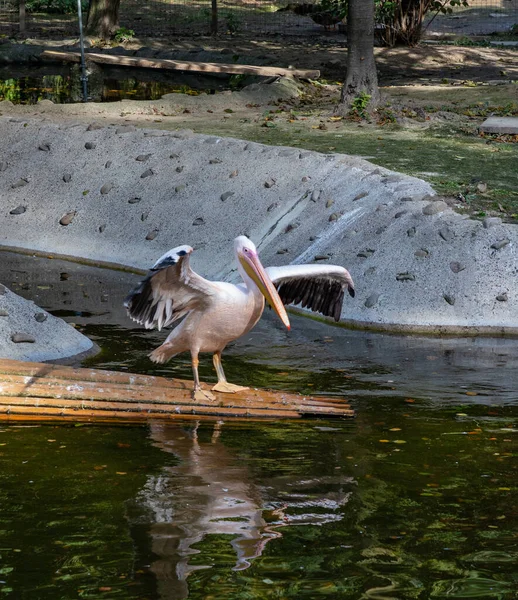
228, 388
202, 395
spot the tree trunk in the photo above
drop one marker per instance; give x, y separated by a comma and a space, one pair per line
361, 68
103, 18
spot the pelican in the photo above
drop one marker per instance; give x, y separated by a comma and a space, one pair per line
216, 312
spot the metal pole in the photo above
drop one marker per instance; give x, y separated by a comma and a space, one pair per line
84, 77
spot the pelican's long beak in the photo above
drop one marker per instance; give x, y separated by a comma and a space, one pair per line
256, 271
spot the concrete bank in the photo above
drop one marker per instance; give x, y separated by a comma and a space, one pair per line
125, 195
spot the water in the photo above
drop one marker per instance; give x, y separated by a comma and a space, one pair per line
62, 85
413, 498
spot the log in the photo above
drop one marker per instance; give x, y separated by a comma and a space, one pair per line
151, 63
48, 392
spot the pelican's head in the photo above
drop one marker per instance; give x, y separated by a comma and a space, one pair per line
246, 254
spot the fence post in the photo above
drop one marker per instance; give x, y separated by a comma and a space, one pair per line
214, 20
21, 15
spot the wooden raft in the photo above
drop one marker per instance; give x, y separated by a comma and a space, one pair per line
48, 392
177, 65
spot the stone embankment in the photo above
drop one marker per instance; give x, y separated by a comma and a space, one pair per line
123, 195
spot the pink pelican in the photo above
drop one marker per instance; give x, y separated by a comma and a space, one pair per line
216, 312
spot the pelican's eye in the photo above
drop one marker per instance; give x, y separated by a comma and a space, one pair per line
245, 250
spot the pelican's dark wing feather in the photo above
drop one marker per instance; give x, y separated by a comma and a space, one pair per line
170, 290
321, 288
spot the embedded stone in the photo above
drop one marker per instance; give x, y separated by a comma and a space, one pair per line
144, 216
152, 235
381, 229
199, 221
226, 196
282, 251
411, 232
330, 203
269, 183
67, 218
456, 266
3, 313
406, 276
20, 183
107, 187
272, 206
400, 214
500, 244
502, 297
134, 200
422, 253
40, 317
450, 298
44, 147
108, 164
434, 208
360, 196
215, 161
491, 222
372, 300
67, 177
321, 257
90, 145
147, 173
334, 217
22, 338
102, 227
290, 227
94, 126
370, 271
315, 195
3, 165
19, 210
366, 253
234, 174
143, 157
446, 234
179, 169
174, 155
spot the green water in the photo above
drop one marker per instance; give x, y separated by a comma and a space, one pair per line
413, 498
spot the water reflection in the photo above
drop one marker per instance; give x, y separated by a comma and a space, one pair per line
211, 492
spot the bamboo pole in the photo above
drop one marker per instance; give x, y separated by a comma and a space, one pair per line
151, 63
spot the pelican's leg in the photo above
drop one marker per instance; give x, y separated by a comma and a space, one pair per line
223, 385
198, 393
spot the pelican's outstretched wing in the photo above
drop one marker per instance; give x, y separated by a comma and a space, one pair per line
170, 290
320, 288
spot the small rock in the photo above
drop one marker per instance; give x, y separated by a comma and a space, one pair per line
334, 217
456, 266
3, 165
330, 203
305, 179
20, 183
44, 147
179, 188
107, 187
282, 251
315, 195
411, 232
64, 276
147, 173
406, 199
152, 235
400, 214
233, 174
381, 229
134, 200
366, 253
269, 183
3, 313
272, 206
502, 297
94, 126
450, 298
446, 234
90, 145
360, 196
102, 227
321, 257
215, 161
67, 218
179, 169
40, 317
67, 177
108, 164
406, 276
372, 300
489, 222
173, 155
434, 208
144, 216
226, 195
21, 338
19, 210
500, 244
482, 188
144, 157
199, 221
422, 253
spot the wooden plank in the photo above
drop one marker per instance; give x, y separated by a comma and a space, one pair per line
68, 393
204, 67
